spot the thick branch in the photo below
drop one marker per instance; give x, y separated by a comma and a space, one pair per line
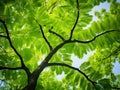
74, 68
49, 56
9, 68
10, 42
44, 63
78, 15
3, 36
35, 74
57, 35
94, 38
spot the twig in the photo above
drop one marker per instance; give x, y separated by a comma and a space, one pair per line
10, 42
74, 68
3, 36
114, 52
48, 43
10, 68
57, 35
46, 60
45, 38
78, 15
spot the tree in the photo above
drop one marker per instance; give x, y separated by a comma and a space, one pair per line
37, 38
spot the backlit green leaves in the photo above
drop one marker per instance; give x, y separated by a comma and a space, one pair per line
115, 8
59, 16
77, 81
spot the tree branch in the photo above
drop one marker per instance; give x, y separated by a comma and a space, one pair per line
78, 15
46, 60
57, 35
49, 56
10, 42
45, 37
94, 38
74, 68
9, 68
3, 36
113, 53
48, 43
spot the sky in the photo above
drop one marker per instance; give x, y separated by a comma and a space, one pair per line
116, 68
97, 8
76, 61
105, 5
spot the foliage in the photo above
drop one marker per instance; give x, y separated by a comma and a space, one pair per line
38, 37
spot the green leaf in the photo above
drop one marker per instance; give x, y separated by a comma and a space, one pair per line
69, 75
22, 39
83, 83
99, 87
27, 54
84, 65
95, 75
105, 83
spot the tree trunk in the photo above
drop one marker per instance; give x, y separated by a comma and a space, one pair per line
32, 80
31, 85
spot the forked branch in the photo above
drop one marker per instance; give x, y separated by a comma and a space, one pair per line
74, 68
78, 15
11, 45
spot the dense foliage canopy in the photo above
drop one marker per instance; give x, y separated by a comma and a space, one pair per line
38, 37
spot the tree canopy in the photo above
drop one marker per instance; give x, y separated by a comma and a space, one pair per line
38, 37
